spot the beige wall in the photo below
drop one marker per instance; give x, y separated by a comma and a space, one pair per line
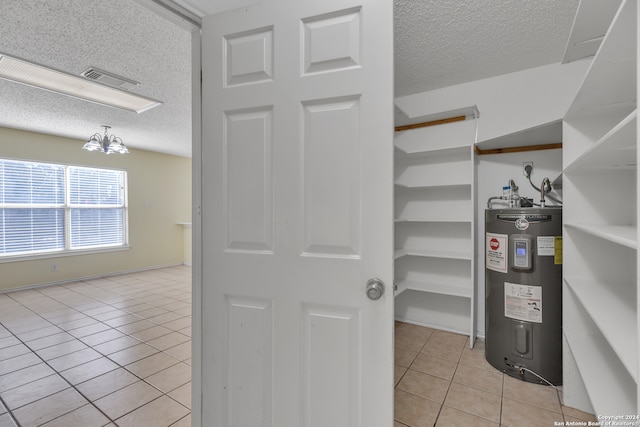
159, 198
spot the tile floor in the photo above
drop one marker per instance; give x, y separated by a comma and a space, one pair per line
116, 351
441, 382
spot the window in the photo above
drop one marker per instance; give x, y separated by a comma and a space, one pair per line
47, 208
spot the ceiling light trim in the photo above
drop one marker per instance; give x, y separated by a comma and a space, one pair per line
31, 74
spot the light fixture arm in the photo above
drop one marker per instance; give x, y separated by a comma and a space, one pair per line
106, 143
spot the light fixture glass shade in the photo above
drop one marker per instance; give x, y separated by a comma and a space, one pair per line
31, 74
107, 144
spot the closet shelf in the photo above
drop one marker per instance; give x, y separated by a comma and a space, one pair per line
434, 219
620, 330
601, 375
625, 235
615, 150
452, 289
399, 253
466, 182
461, 149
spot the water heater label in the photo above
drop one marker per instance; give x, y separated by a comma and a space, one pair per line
523, 302
496, 252
546, 246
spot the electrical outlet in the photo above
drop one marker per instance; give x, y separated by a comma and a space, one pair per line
54, 268
524, 168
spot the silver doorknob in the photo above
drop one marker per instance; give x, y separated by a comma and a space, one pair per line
375, 289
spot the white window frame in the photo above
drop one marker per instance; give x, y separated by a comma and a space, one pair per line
67, 208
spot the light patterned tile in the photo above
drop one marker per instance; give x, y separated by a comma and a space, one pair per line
76, 358
171, 378
6, 421
50, 340
474, 401
182, 394
61, 349
89, 330
33, 391
86, 371
24, 376
44, 410
102, 337
105, 384
578, 414
423, 385
116, 345
435, 366
167, 341
483, 379
415, 411
181, 352
18, 362
127, 399
475, 357
184, 422
534, 394
519, 414
450, 417
151, 333
151, 365
398, 372
162, 412
85, 416
13, 351
132, 354
39, 333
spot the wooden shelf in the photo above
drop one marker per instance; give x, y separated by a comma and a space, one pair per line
625, 235
621, 330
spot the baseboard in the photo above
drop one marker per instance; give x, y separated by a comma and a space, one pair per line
85, 278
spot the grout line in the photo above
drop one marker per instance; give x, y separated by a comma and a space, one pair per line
9, 413
91, 346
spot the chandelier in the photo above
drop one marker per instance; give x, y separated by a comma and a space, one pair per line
105, 143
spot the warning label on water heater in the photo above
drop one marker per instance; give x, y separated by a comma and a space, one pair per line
496, 252
523, 302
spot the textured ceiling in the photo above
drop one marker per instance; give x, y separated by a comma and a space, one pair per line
119, 36
441, 43
437, 43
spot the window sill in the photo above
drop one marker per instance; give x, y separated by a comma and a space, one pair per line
60, 254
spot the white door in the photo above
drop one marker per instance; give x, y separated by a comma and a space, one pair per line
297, 215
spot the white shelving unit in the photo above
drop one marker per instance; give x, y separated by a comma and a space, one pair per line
600, 185
435, 219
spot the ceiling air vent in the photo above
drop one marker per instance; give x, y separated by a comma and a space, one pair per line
110, 79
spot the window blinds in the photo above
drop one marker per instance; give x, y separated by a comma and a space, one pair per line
48, 208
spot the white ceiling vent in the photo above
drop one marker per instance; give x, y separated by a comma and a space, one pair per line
110, 79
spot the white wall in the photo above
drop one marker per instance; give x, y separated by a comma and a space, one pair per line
507, 104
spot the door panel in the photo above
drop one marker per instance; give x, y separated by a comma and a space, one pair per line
297, 215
